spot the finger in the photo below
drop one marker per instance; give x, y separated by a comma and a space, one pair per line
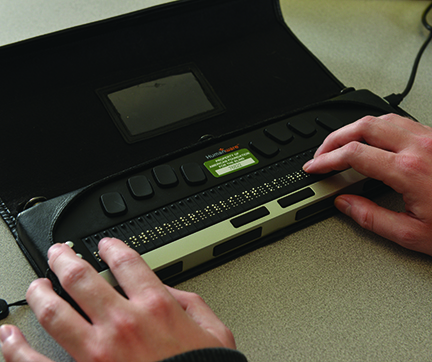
203, 315
86, 287
57, 316
369, 161
406, 123
372, 130
398, 227
130, 270
15, 347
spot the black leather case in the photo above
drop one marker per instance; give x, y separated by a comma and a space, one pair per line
58, 136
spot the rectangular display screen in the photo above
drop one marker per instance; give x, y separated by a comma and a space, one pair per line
162, 102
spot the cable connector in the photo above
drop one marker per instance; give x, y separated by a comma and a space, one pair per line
394, 99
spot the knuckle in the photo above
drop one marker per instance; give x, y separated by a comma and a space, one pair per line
352, 147
72, 273
159, 304
32, 287
410, 239
389, 116
414, 235
124, 257
366, 122
425, 142
353, 150
124, 325
47, 314
366, 220
411, 164
125, 329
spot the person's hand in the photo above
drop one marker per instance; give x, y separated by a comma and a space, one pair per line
154, 321
397, 151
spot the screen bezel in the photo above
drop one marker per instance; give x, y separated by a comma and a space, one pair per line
208, 91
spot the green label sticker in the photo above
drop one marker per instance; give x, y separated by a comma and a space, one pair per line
231, 162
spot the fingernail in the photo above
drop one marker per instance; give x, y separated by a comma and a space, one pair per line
307, 165
70, 244
343, 206
103, 241
5, 333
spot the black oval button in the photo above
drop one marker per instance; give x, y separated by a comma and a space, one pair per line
113, 203
265, 146
140, 187
165, 176
329, 122
303, 126
280, 133
193, 173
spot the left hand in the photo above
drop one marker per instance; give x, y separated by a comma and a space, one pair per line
154, 322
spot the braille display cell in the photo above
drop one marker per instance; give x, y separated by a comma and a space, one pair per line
196, 212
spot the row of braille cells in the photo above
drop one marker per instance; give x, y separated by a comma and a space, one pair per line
194, 213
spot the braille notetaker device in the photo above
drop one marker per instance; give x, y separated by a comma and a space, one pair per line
188, 145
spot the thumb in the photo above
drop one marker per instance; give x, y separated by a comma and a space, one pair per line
15, 348
202, 314
398, 227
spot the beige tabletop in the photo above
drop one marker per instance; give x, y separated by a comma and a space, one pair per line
332, 291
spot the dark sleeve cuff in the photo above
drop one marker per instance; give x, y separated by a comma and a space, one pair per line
209, 355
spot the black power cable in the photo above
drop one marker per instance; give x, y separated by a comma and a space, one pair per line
4, 307
395, 99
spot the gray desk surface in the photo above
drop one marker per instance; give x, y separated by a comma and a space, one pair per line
330, 292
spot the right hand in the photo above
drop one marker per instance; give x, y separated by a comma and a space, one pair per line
396, 151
